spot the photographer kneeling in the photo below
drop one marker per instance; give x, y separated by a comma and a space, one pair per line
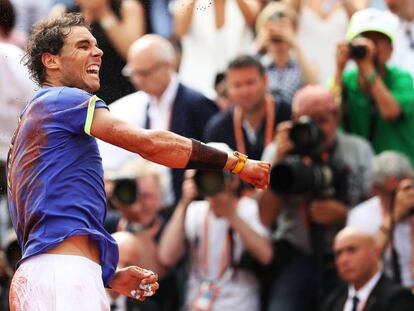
217, 231
314, 182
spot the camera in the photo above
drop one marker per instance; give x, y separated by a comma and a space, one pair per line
357, 51
125, 190
307, 137
308, 169
210, 182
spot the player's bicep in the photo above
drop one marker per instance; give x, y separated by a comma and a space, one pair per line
111, 129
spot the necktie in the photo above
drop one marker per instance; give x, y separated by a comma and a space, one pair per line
355, 302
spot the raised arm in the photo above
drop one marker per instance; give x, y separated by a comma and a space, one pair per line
123, 32
250, 9
182, 17
173, 150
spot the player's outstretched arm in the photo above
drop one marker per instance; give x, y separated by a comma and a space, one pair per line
173, 150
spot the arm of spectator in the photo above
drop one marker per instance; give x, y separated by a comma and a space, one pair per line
351, 6
328, 211
172, 243
388, 106
257, 245
182, 17
250, 9
342, 57
270, 202
309, 72
122, 32
296, 4
269, 206
369, 78
382, 235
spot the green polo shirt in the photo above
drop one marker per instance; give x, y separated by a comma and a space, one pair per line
395, 135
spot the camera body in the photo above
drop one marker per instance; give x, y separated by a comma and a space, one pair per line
211, 182
357, 51
308, 169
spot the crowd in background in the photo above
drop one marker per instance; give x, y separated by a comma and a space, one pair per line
322, 89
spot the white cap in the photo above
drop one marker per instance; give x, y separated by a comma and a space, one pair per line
372, 19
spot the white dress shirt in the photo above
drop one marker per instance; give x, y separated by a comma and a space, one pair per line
403, 51
16, 89
362, 294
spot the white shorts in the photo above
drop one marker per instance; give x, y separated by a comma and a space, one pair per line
51, 282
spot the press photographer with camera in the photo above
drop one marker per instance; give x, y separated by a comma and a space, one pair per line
377, 98
215, 232
136, 191
307, 201
389, 215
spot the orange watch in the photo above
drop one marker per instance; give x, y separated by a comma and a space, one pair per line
241, 162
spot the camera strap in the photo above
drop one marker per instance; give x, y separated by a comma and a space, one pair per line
226, 258
270, 108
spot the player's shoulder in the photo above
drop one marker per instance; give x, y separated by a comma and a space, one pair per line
73, 95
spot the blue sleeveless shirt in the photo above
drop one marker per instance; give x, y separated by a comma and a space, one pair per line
55, 175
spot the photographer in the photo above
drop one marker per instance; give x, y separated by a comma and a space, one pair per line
307, 222
137, 194
377, 98
389, 215
217, 231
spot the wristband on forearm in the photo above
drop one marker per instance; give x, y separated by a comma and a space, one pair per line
371, 77
206, 157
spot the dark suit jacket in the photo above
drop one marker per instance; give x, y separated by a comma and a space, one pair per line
220, 129
386, 296
190, 113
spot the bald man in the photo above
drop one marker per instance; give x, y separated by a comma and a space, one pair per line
357, 260
162, 101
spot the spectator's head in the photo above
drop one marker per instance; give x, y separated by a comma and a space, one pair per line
316, 102
378, 26
7, 17
146, 178
274, 12
275, 18
151, 63
246, 83
388, 169
403, 8
62, 51
356, 256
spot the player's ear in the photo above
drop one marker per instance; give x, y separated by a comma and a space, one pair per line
50, 61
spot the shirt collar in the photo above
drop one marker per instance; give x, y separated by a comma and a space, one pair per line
366, 290
167, 98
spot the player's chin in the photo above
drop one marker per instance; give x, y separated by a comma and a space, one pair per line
94, 87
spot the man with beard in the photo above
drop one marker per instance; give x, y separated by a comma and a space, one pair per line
377, 98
